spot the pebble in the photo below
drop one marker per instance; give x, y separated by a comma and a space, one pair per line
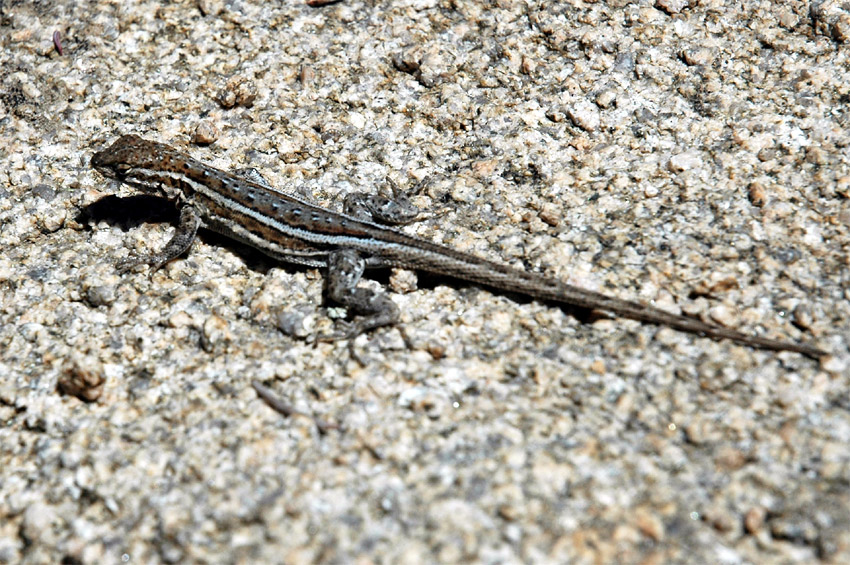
758, 194
584, 115
239, 91
672, 6
83, 377
205, 133
831, 18
37, 522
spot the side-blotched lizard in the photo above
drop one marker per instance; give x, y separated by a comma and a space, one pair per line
294, 230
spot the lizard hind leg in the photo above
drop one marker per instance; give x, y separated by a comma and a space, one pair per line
373, 309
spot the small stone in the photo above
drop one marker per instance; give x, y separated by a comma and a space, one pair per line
101, 294
757, 194
722, 520
684, 162
802, 317
484, 168
205, 134
299, 322
584, 115
766, 154
842, 186
730, 459
831, 18
716, 284
649, 524
239, 91
180, 319
44, 191
488, 81
211, 7
434, 67
436, 350
606, 99
723, 315
403, 281
841, 29
556, 115
408, 59
697, 57
83, 377
307, 76
551, 214
357, 120
834, 365
51, 219
754, 519
226, 98
787, 18
510, 512
672, 6
816, 155
215, 331
38, 519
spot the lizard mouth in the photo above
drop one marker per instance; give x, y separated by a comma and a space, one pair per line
113, 171
99, 163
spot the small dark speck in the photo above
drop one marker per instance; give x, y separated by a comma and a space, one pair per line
645, 116
39, 274
116, 342
625, 62
787, 255
44, 191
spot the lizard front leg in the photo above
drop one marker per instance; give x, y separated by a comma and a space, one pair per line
373, 309
398, 211
395, 211
182, 239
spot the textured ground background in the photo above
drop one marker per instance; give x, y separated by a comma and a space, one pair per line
691, 153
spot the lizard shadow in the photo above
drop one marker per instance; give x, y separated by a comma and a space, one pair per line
129, 212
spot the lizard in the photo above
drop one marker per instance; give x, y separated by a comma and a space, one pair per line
344, 244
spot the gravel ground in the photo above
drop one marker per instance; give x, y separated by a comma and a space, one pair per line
687, 152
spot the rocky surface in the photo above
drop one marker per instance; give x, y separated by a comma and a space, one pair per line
690, 153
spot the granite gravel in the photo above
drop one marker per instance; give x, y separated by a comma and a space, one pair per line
692, 154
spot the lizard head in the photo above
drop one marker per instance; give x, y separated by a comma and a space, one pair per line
144, 164
128, 152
